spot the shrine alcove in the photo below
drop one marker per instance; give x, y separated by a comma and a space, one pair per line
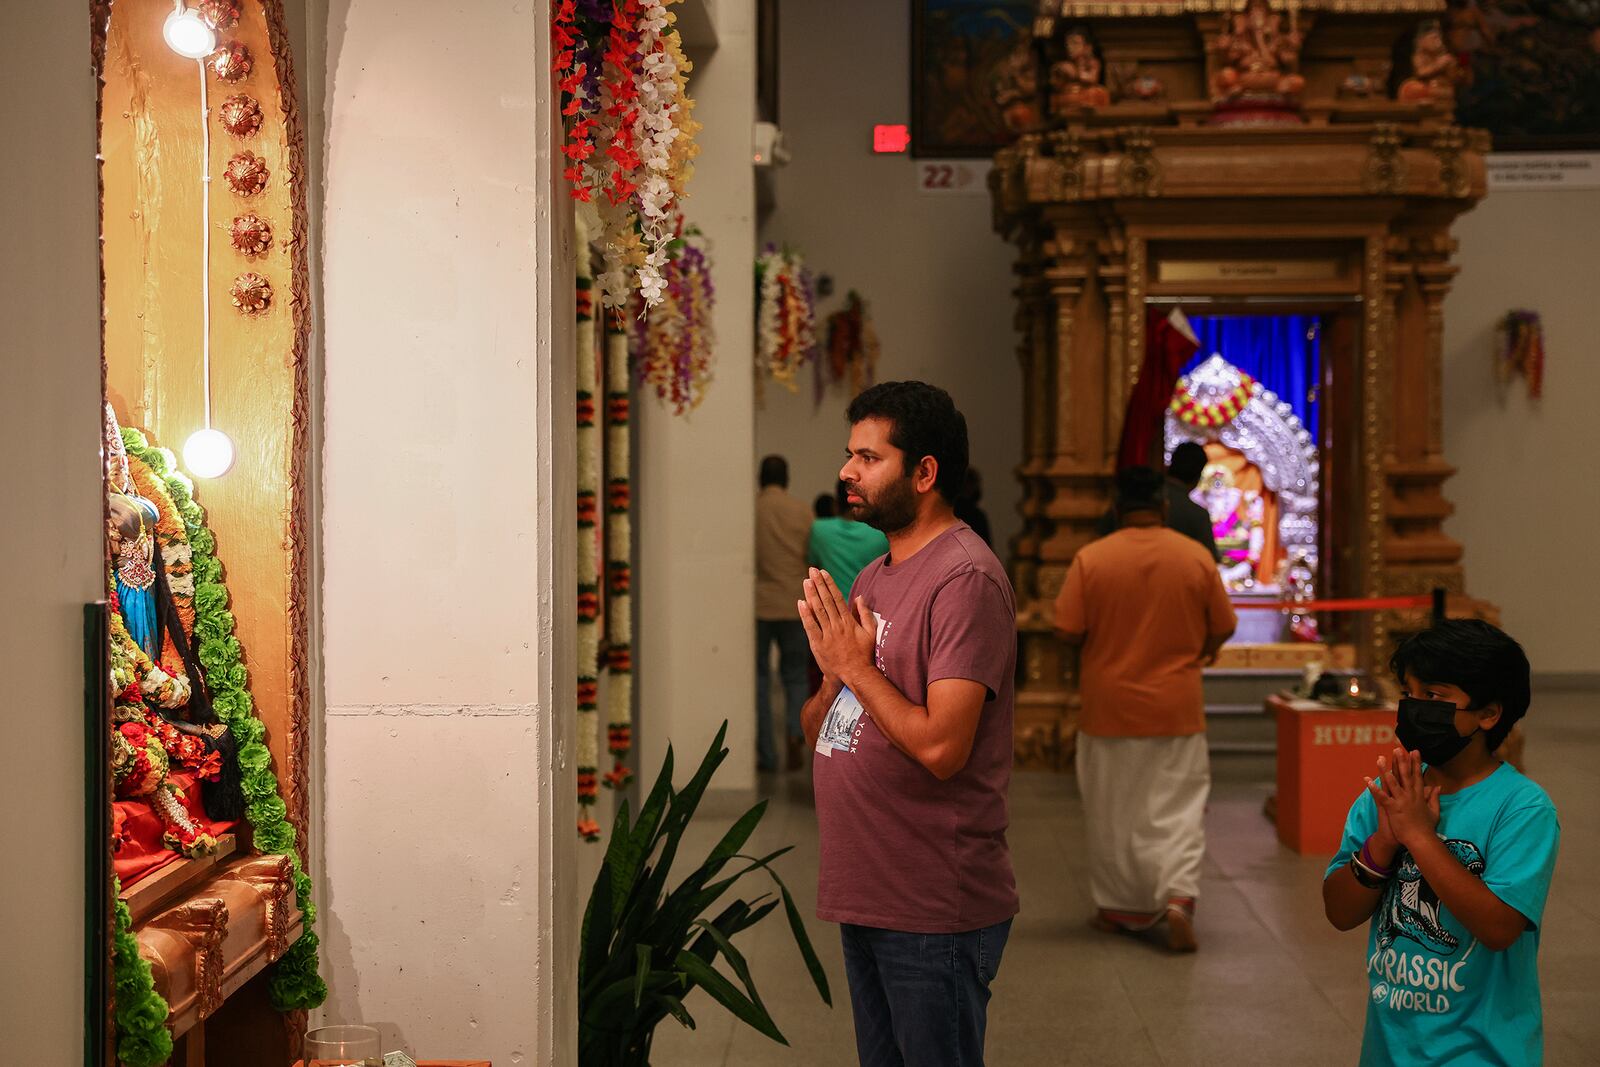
206, 327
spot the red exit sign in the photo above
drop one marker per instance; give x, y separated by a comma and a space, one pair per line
890, 138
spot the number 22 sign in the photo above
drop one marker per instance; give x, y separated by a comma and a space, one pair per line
942, 177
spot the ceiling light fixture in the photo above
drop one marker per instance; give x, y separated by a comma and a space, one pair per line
187, 34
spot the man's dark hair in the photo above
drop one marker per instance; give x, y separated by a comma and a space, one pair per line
1480, 660
1188, 463
841, 497
923, 421
1139, 489
774, 471
824, 507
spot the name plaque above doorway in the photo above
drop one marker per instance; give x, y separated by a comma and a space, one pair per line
1249, 270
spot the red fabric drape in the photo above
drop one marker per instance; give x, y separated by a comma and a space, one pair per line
142, 849
1167, 347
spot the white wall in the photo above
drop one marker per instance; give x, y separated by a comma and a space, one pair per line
937, 278
50, 408
696, 488
1528, 492
449, 911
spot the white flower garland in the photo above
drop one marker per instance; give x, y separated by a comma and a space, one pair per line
655, 128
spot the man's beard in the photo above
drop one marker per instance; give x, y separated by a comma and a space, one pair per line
891, 511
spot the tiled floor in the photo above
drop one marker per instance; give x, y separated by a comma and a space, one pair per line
1272, 984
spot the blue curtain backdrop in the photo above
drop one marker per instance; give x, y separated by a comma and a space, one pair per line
1282, 352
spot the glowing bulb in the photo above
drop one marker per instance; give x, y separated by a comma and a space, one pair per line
208, 454
188, 35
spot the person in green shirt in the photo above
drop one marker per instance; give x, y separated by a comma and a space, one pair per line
842, 546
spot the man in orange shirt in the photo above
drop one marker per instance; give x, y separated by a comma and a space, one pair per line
1148, 610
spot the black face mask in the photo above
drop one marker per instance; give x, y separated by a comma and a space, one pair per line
1428, 727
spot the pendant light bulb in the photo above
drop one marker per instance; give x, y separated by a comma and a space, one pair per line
208, 454
188, 35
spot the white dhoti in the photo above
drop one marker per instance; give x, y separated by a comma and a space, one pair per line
1144, 802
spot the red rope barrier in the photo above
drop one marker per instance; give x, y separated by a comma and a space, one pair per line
1390, 603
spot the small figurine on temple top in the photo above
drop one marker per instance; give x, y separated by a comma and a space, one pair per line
1075, 79
1016, 89
1435, 73
1259, 57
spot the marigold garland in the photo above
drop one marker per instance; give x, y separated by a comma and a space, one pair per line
619, 560
674, 344
294, 983
588, 516
1212, 415
785, 317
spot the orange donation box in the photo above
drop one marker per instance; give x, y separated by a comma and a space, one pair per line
1324, 755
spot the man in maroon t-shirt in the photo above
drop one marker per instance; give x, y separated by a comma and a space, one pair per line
912, 731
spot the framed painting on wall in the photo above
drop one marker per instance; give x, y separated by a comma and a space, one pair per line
1532, 71
957, 47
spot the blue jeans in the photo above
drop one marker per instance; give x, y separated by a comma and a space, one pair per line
921, 1000
794, 652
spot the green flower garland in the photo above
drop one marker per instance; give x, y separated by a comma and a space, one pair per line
141, 1014
295, 983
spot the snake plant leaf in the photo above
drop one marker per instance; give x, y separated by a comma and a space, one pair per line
819, 977
682, 809
723, 992
674, 1007
597, 925
642, 975
704, 946
686, 901
736, 960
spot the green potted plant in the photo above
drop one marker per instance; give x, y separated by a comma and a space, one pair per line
645, 948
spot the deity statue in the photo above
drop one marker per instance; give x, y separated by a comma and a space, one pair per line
162, 721
1016, 89
1258, 56
1435, 73
1236, 522
1075, 79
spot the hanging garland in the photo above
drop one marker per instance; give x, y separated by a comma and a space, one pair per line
588, 579
852, 347
1219, 413
674, 344
295, 983
622, 76
1522, 350
619, 560
785, 317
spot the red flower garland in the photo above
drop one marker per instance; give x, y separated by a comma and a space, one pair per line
564, 38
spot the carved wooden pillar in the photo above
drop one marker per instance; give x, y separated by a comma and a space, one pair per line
1418, 556
1033, 323
1077, 469
1376, 332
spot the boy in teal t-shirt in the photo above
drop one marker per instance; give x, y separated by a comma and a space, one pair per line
1449, 853
843, 546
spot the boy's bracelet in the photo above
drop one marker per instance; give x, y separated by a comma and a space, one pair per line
1365, 875
1373, 865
